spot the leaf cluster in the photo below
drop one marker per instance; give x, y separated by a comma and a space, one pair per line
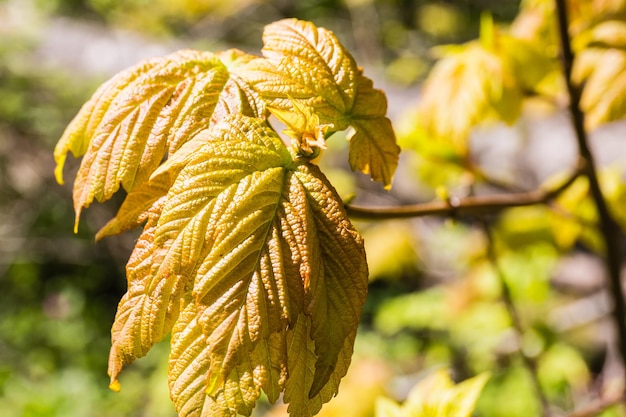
492, 79
246, 256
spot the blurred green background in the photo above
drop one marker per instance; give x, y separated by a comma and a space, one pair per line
435, 300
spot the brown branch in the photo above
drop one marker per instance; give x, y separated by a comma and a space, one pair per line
467, 206
596, 408
611, 232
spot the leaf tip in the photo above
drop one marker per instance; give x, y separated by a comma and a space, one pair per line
319, 382
115, 385
77, 220
58, 172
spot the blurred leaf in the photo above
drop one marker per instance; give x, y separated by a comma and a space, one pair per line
562, 369
603, 72
600, 68
437, 162
573, 216
510, 394
391, 250
483, 81
437, 396
420, 310
465, 89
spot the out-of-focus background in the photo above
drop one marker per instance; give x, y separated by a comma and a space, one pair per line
433, 302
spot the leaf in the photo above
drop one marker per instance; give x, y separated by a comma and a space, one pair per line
373, 148
305, 63
148, 309
141, 115
139, 203
300, 389
259, 244
469, 86
603, 72
437, 396
247, 255
308, 66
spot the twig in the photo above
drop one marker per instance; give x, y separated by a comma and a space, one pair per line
467, 206
529, 363
596, 408
611, 231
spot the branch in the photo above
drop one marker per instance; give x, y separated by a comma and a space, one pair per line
611, 232
596, 408
467, 206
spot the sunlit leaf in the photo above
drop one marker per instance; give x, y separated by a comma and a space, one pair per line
437, 396
149, 308
246, 256
278, 274
373, 148
601, 67
309, 65
305, 63
141, 115
466, 88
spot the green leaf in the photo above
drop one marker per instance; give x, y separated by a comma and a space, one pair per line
262, 247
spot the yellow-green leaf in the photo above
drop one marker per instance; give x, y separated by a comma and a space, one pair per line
466, 88
143, 114
258, 243
373, 147
308, 65
150, 306
437, 396
603, 72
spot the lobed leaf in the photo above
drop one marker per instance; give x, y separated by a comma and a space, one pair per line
308, 66
247, 256
373, 147
258, 244
437, 396
143, 114
465, 89
303, 62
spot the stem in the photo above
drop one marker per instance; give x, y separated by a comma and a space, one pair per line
468, 206
507, 297
596, 408
611, 231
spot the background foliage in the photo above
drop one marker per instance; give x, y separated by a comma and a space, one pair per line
435, 297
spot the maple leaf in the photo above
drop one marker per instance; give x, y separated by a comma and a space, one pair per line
469, 86
308, 65
139, 116
246, 256
260, 242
